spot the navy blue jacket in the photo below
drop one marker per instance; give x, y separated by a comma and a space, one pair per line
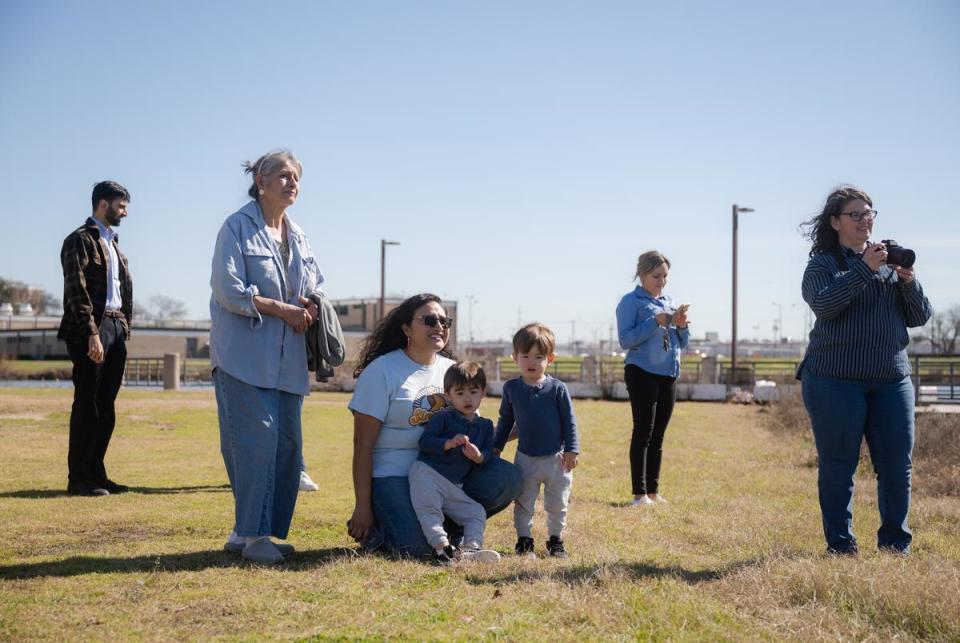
452, 464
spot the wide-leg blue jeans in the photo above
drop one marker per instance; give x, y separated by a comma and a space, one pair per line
842, 414
261, 441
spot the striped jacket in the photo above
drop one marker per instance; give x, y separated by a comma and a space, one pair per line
862, 318
84, 257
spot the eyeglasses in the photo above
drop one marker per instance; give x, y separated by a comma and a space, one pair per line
433, 320
859, 216
666, 340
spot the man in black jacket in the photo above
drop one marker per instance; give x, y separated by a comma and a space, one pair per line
97, 312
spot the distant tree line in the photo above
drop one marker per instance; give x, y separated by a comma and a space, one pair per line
157, 308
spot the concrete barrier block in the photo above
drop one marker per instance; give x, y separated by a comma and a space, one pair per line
709, 392
495, 388
586, 390
619, 391
684, 391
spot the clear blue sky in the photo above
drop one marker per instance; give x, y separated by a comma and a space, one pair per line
523, 153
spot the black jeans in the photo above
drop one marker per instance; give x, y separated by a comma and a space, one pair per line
651, 401
92, 417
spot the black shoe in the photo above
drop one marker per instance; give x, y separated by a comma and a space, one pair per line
524, 546
80, 489
446, 556
114, 487
555, 548
843, 551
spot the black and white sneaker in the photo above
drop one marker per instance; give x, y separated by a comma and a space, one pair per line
555, 547
524, 547
447, 556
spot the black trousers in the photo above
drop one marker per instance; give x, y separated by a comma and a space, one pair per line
92, 418
651, 401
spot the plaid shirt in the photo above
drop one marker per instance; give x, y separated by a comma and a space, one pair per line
84, 257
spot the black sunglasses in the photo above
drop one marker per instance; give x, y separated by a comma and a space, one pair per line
433, 320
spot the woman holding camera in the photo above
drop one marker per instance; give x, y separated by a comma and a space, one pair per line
856, 373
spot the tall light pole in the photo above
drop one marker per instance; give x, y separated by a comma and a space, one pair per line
779, 322
383, 274
470, 301
733, 334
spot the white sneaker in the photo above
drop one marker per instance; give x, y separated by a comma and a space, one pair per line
641, 501
307, 483
660, 499
480, 555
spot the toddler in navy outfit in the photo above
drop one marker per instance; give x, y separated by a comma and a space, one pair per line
540, 409
454, 441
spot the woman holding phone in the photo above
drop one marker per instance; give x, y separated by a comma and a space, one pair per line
653, 330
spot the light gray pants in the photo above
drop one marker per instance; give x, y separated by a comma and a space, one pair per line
432, 496
548, 471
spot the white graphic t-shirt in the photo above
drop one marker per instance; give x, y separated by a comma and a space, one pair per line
403, 395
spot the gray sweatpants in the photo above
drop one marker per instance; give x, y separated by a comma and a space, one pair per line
432, 496
548, 471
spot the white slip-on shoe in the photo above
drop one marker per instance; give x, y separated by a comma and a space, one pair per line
661, 499
262, 551
641, 501
307, 483
480, 555
235, 545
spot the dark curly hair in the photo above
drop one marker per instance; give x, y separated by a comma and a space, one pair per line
388, 335
818, 229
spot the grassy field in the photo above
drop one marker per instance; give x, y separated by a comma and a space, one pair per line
736, 554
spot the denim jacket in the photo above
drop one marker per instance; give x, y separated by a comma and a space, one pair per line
643, 338
259, 350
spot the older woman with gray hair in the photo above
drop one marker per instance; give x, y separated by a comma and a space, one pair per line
263, 274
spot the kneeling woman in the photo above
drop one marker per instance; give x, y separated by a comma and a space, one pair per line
399, 387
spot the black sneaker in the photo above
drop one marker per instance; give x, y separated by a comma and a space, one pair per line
524, 546
83, 489
555, 548
114, 487
446, 557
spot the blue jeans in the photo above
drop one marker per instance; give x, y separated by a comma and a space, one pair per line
494, 485
843, 413
261, 443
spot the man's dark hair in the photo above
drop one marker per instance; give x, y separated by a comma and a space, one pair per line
108, 191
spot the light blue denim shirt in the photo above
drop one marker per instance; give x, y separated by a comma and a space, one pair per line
642, 337
259, 350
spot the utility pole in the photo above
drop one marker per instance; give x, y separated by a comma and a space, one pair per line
383, 274
733, 334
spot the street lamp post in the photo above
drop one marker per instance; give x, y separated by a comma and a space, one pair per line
733, 334
779, 329
470, 301
383, 273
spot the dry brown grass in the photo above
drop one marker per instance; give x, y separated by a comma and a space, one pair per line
936, 454
736, 554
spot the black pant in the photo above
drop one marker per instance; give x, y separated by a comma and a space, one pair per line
651, 401
95, 388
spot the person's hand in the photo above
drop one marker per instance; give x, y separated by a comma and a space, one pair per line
570, 460
456, 441
95, 349
312, 310
298, 318
360, 523
875, 256
472, 452
664, 319
906, 274
680, 318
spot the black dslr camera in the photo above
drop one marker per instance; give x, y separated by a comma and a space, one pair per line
897, 255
